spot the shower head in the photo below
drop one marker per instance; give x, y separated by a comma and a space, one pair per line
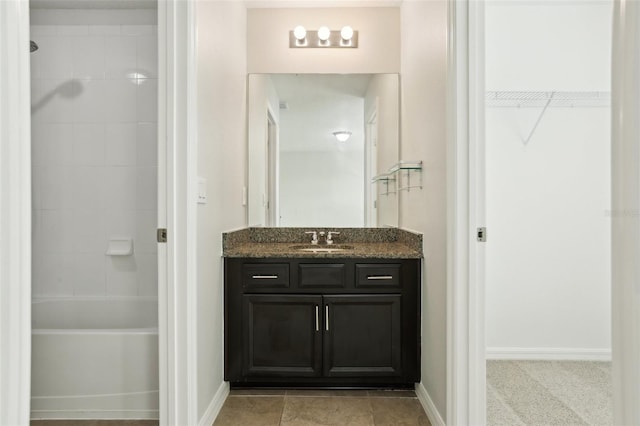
34, 46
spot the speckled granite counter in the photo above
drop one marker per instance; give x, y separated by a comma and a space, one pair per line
380, 243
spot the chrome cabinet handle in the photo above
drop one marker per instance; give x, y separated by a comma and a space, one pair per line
326, 317
379, 277
317, 318
264, 277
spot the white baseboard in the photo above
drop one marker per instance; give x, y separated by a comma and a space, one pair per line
215, 405
573, 354
429, 407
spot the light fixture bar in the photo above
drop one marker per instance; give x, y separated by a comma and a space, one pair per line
311, 40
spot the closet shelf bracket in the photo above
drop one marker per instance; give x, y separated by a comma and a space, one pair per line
535, 125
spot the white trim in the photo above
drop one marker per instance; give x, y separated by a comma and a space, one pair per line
625, 204
15, 214
178, 292
215, 405
429, 407
466, 378
298, 4
457, 210
549, 354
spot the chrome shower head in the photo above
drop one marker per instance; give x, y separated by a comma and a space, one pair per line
34, 46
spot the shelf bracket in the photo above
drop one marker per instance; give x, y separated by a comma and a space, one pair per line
535, 126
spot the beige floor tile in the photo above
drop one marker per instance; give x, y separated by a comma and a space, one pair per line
326, 411
251, 411
398, 412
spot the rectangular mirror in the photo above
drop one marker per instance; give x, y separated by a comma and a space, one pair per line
300, 173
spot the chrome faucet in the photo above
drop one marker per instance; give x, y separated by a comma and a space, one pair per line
314, 237
329, 237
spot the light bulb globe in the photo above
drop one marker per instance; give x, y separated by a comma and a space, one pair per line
324, 33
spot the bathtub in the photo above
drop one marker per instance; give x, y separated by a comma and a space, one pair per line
94, 358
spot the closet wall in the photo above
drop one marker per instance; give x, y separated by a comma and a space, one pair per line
548, 185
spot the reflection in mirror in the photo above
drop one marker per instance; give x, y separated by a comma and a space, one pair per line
300, 174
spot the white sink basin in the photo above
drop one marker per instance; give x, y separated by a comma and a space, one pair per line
323, 249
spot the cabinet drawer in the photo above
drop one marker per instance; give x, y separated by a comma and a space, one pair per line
325, 275
374, 275
265, 275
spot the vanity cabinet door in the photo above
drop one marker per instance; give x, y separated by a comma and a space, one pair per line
282, 335
362, 335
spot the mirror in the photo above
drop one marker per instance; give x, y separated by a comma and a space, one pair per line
300, 174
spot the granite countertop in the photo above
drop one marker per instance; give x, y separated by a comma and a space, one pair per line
378, 243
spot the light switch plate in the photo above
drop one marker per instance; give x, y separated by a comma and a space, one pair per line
202, 191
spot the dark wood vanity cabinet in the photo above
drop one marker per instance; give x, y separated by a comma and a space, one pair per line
323, 322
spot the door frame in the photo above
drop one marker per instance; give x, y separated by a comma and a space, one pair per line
177, 212
15, 213
466, 376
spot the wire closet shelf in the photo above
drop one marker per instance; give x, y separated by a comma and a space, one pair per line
559, 99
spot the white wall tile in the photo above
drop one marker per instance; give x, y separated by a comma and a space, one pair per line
89, 187
119, 99
147, 274
57, 187
54, 57
93, 125
40, 30
89, 275
148, 55
147, 151
89, 57
147, 100
89, 106
56, 275
53, 100
104, 30
120, 223
73, 30
121, 144
58, 228
120, 56
52, 143
122, 276
89, 144
139, 29
147, 188
89, 231
120, 188
146, 228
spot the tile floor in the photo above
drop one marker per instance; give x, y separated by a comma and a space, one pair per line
321, 407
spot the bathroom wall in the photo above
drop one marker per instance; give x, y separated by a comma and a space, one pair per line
424, 66
94, 85
548, 279
222, 122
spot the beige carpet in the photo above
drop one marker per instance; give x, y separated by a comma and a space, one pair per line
560, 393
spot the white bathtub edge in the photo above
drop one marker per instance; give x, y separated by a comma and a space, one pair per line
215, 405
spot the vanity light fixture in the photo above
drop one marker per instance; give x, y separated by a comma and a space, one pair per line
342, 135
323, 37
300, 34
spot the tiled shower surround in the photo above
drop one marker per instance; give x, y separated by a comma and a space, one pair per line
94, 157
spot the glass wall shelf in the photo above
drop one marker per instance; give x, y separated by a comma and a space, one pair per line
401, 173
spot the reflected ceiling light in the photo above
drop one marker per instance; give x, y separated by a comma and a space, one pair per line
299, 33
342, 135
346, 33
